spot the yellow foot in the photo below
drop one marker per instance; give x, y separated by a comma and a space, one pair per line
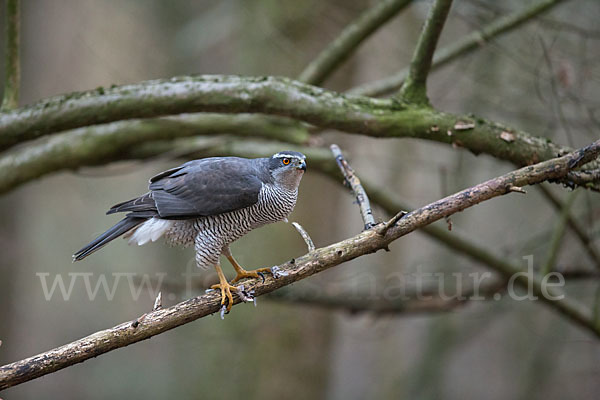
242, 273
226, 297
257, 273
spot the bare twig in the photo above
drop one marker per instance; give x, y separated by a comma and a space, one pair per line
449, 223
350, 38
414, 89
517, 189
473, 41
321, 259
309, 243
157, 306
136, 322
354, 183
157, 302
391, 222
12, 67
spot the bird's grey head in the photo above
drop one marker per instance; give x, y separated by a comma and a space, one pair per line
287, 168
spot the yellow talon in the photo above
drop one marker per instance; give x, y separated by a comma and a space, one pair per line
241, 272
245, 274
225, 288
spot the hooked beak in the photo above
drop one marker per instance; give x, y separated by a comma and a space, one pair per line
302, 165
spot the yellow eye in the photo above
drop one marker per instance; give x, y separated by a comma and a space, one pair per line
285, 161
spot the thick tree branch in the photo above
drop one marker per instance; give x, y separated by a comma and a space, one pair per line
275, 96
350, 38
12, 67
414, 89
468, 43
212, 93
98, 144
319, 260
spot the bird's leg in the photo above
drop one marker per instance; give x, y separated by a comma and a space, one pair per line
240, 271
225, 288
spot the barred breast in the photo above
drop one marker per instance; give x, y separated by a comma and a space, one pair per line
210, 234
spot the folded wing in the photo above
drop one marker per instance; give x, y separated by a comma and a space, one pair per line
198, 188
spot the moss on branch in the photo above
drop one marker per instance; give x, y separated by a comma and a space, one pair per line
414, 89
269, 95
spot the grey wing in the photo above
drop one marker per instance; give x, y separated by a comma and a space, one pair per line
205, 187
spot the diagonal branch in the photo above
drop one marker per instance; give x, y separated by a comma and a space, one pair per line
320, 161
12, 68
414, 89
350, 38
468, 43
319, 260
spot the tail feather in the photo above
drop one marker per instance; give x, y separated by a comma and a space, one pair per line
143, 203
121, 227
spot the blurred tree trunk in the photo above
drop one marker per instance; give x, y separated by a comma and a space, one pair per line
9, 267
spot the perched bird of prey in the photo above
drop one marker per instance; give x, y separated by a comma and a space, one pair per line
210, 203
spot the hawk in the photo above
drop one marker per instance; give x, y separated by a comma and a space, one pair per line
210, 203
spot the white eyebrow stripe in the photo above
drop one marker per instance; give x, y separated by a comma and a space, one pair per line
278, 155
